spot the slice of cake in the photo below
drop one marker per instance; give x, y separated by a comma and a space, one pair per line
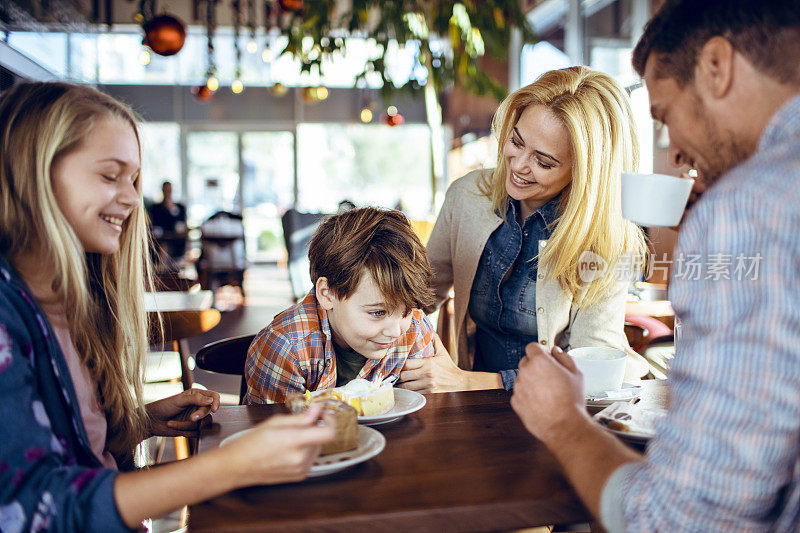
367, 397
345, 419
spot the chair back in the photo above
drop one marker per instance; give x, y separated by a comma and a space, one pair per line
226, 356
298, 228
223, 242
446, 326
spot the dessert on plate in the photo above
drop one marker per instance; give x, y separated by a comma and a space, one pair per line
367, 397
345, 419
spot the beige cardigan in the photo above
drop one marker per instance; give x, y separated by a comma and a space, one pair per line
455, 246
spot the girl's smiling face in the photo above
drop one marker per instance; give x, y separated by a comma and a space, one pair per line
95, 184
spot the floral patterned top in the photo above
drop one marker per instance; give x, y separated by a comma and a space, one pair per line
49, 478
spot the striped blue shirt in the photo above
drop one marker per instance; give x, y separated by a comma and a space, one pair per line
727, 456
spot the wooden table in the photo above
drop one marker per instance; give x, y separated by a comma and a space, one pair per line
463, 463
168, 301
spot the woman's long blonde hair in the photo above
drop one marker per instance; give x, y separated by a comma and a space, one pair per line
103, 294
595, 111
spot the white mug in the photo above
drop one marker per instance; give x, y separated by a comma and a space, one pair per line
654, 199
603, 368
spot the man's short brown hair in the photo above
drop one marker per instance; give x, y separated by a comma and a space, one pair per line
766, 32
378, 241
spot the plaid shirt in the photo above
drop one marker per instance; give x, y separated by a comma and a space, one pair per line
295, 353
727, 456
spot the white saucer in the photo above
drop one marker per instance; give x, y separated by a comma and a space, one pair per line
630, 392
370, 443
405, 402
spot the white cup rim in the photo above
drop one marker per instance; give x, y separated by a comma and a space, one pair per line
577, 352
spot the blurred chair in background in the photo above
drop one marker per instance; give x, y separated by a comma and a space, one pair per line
223, 260
298, 228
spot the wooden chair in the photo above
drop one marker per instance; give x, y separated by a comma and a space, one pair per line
653, 340
637, 336
226, 356
446, 326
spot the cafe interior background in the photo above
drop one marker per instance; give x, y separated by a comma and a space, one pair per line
245, 120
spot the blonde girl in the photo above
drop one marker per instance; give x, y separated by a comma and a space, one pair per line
73, 332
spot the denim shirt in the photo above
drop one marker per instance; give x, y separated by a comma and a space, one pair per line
502, 302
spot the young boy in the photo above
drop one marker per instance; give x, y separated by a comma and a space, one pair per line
362, 319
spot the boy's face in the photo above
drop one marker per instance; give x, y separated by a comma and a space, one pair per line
362, 322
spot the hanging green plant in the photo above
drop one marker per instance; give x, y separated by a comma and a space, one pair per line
450, 37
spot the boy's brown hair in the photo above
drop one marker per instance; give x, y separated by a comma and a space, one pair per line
379, 241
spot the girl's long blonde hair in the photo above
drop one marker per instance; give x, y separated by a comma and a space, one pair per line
103, 294
595, 111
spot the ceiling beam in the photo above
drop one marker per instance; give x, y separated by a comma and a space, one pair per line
23, 66
552, 14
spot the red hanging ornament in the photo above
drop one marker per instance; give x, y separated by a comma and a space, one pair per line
164, 35
291, 5
202, 93
393, 120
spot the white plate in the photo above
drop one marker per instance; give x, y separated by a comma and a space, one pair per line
635, 438
602, 402
405, 402
370, 443
624, 412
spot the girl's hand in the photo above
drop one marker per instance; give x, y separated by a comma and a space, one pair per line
180, 415
280, 449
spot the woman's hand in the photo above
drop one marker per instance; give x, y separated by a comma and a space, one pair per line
180, 415
280, 449
433, 374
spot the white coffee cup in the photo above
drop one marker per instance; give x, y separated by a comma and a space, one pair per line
654, 199
603, 368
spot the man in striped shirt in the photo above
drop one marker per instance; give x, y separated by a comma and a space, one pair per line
724, 76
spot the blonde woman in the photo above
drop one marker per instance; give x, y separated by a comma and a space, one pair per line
73, 265
509, 241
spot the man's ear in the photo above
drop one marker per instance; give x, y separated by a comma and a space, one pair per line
324, 295
714, 70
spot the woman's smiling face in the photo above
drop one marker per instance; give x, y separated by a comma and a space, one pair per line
538, 158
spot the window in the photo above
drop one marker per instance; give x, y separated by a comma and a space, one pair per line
118, 58
161, 159
47, 49
267, 191
213, 174
367, 164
